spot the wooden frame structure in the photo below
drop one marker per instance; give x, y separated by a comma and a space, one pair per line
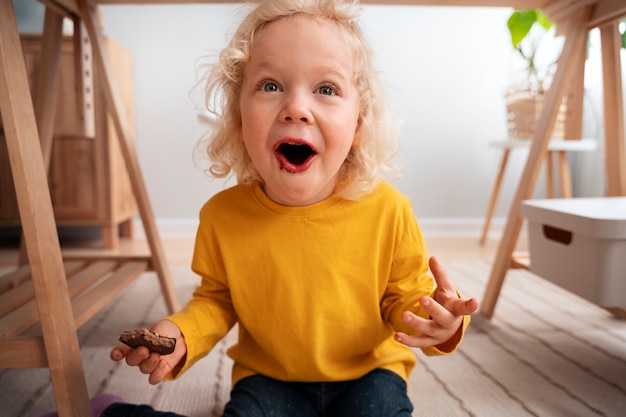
56, 345
43, 302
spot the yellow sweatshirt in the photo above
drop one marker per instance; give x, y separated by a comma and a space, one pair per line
317, 291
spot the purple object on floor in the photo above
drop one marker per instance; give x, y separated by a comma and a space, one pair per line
98, 404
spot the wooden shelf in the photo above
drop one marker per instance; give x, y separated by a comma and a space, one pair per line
520, 260
91, 286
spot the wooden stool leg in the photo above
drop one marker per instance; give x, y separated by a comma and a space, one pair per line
549, 175
494, 195
564, 175
40, 235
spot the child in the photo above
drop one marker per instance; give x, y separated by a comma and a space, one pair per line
317, 259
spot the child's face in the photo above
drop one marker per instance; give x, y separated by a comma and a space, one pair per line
299, 108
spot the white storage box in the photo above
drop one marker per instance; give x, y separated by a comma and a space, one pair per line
580, 245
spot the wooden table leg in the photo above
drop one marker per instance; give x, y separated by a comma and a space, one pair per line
615, 155
573, 123
575, 36
40, 235
45, 96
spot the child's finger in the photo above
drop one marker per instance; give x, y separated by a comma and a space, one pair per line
136, 356
416, 341
466, 307
441, 276
159, 372
438, 313
119, 352
446, 291
149, 364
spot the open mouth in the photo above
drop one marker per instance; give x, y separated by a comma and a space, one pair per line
295, 156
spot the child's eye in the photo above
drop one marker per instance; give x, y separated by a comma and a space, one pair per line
327, 90
269, 87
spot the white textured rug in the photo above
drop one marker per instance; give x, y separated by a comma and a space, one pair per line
546, 352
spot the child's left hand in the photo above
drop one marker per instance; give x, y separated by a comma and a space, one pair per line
446, 310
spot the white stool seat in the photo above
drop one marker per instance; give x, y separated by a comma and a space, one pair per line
558, 147
566, 145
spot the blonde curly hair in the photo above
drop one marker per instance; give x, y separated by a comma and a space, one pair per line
365, 165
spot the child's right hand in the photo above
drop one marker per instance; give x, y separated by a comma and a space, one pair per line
153, 364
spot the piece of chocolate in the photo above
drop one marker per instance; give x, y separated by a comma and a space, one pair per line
162, 345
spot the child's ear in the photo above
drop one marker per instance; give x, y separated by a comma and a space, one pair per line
240, 133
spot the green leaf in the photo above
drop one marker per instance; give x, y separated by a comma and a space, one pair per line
519, 24
543, 20
521, 21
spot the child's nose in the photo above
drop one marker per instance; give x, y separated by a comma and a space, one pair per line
297, 108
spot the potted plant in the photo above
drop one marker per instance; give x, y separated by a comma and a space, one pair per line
529, 31
528, 28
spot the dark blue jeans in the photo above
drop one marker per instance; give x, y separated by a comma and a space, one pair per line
379, 393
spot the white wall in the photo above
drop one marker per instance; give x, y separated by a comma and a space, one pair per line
446, 69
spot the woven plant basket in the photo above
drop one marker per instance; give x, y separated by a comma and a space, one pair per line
524, 107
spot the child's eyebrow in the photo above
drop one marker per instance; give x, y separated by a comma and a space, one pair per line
327, 69
268, 65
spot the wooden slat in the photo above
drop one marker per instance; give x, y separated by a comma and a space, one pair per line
12, 300
67, 7
605, 11
90, 302
22, 274
14, 278
520, 260
20, 319
93, 256
24, 291
530, 4
23, 352
88, 276
558, 11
